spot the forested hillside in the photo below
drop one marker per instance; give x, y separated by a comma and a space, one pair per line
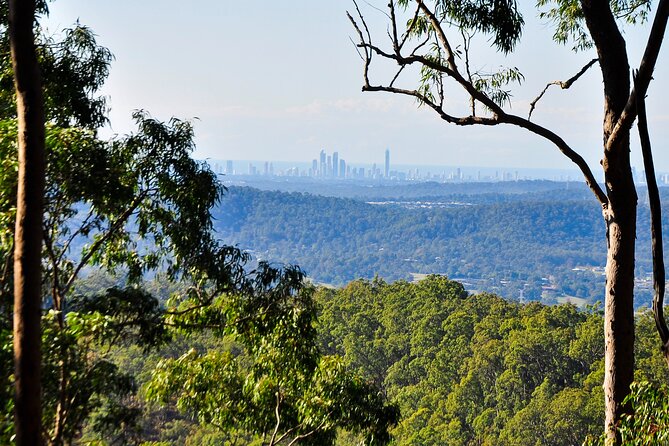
478, 369
494, 242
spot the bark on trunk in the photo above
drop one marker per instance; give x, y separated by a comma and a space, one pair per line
28, 235
619, 307
619, 214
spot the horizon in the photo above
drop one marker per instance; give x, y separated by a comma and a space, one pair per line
293, 85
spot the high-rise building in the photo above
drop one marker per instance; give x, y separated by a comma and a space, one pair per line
328, 172
228, 168
314, 168
342, 168
335, 164
387, 170
323, 166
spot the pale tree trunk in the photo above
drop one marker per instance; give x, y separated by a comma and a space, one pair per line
619, 213
28, 235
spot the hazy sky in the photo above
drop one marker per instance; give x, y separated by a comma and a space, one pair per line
280, 80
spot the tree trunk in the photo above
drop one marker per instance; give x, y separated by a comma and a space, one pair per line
619, 213
28, 235
619, 307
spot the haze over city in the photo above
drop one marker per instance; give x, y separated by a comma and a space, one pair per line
282, 80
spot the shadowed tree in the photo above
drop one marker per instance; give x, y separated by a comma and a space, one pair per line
28, 233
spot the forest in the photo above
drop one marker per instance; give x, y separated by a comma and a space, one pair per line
144, 303
503, 242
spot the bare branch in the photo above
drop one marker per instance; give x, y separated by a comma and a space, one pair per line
368, 53
564, 148
466, 42
644, 74
562, 84
278, 418
464, 121
655, 226
393, 21
450, 69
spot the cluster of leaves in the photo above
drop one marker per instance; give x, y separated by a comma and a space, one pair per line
569, 20
276, 384
501, 19
477, 369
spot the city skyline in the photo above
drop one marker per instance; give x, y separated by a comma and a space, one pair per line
322, 168
313, 95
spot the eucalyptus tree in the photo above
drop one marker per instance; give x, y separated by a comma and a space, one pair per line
429, 41
28, 228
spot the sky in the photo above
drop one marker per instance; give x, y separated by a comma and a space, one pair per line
280, 80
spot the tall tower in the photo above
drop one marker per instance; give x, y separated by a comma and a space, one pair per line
335, 164
323, 166
387, 171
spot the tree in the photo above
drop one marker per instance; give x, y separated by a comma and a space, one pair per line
28, 233
427, 42
132, 205
280, 388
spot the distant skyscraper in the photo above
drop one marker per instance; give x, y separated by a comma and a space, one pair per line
335, 164
323, 166
342, 168
387, 171
314, 168
328, 172
228, 168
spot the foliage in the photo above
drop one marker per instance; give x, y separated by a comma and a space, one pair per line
280, 387
133, 206
516, 239
476, 369
648, 423
568, 18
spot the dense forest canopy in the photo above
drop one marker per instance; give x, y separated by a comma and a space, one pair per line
530, 239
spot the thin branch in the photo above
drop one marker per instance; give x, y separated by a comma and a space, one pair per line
278, 418
466, 43
570, 153
562, 84
55, 295
393, 21
644, 74
368, 54
308, 434
80, 229
410, 28
655, 227
120, 221
466, 120
440, 34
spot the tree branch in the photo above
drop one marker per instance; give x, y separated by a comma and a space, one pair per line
655, 227
278, 419
562, 84
120, 221
644, 74
450, 69
311, 432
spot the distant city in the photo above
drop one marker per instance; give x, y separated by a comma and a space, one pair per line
332, 167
